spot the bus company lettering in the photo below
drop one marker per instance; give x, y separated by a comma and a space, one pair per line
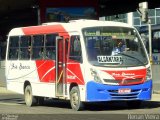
20, 66
123, 74
71, 77
23, 66
109, 59
13, 66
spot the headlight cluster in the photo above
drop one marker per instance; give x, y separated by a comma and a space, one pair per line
96, 76
148, 74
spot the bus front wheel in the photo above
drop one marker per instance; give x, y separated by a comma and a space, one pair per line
30, 100
75, 100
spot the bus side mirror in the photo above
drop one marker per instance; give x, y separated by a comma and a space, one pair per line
143, 11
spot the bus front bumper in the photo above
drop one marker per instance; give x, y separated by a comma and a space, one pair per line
102, 92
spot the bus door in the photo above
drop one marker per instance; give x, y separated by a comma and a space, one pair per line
60, 66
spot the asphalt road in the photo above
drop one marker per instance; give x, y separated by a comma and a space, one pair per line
13, 104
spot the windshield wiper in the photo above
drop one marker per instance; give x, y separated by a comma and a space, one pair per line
133, 58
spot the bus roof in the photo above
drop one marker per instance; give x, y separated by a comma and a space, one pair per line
90, 23
73, 25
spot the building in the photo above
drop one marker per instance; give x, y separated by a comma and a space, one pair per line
134, 19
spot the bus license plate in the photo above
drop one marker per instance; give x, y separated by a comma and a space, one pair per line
124, 90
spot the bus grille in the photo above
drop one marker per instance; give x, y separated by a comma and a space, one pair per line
124, 82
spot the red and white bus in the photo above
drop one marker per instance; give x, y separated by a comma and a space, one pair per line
81, 61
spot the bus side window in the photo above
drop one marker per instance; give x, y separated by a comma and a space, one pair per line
25, 42
38, 47
13, 48
75, 49
50, 43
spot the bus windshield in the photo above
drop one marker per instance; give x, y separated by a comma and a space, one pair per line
114, 46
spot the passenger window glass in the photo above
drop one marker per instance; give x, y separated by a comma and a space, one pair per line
13, 48
50, 43
14, 41
75, 48
38, 47
25, 43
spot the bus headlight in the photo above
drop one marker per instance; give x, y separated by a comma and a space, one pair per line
148, 74
95, 76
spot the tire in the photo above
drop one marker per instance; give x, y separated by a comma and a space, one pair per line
134, 104
75, 100
30, 100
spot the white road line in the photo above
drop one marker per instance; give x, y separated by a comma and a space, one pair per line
13, 104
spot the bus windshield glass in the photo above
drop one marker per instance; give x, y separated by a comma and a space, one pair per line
114, 46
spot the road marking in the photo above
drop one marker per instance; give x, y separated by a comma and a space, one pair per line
13, 104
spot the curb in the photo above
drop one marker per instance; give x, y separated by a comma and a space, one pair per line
156, 92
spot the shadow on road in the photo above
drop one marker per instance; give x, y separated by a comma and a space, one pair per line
119, 105
100, 106
11, 98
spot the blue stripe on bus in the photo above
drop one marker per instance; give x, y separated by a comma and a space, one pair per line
102, 92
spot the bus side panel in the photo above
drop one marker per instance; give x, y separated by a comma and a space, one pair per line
38, 74
46, 70
75, 74
46, 77
26, 72
15, 86
44, 89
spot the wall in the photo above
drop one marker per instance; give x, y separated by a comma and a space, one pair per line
2, 74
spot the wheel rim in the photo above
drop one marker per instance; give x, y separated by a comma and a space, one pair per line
75, 99
28, 97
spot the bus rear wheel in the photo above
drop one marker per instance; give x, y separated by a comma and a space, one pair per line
75, 100
30, 100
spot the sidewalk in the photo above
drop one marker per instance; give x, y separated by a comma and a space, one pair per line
4, 90
156, 97
156, 91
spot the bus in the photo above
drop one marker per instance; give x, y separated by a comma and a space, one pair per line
80, 61
155, 30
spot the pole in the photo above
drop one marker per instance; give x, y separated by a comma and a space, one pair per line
36, 7
38, 15
150, 40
